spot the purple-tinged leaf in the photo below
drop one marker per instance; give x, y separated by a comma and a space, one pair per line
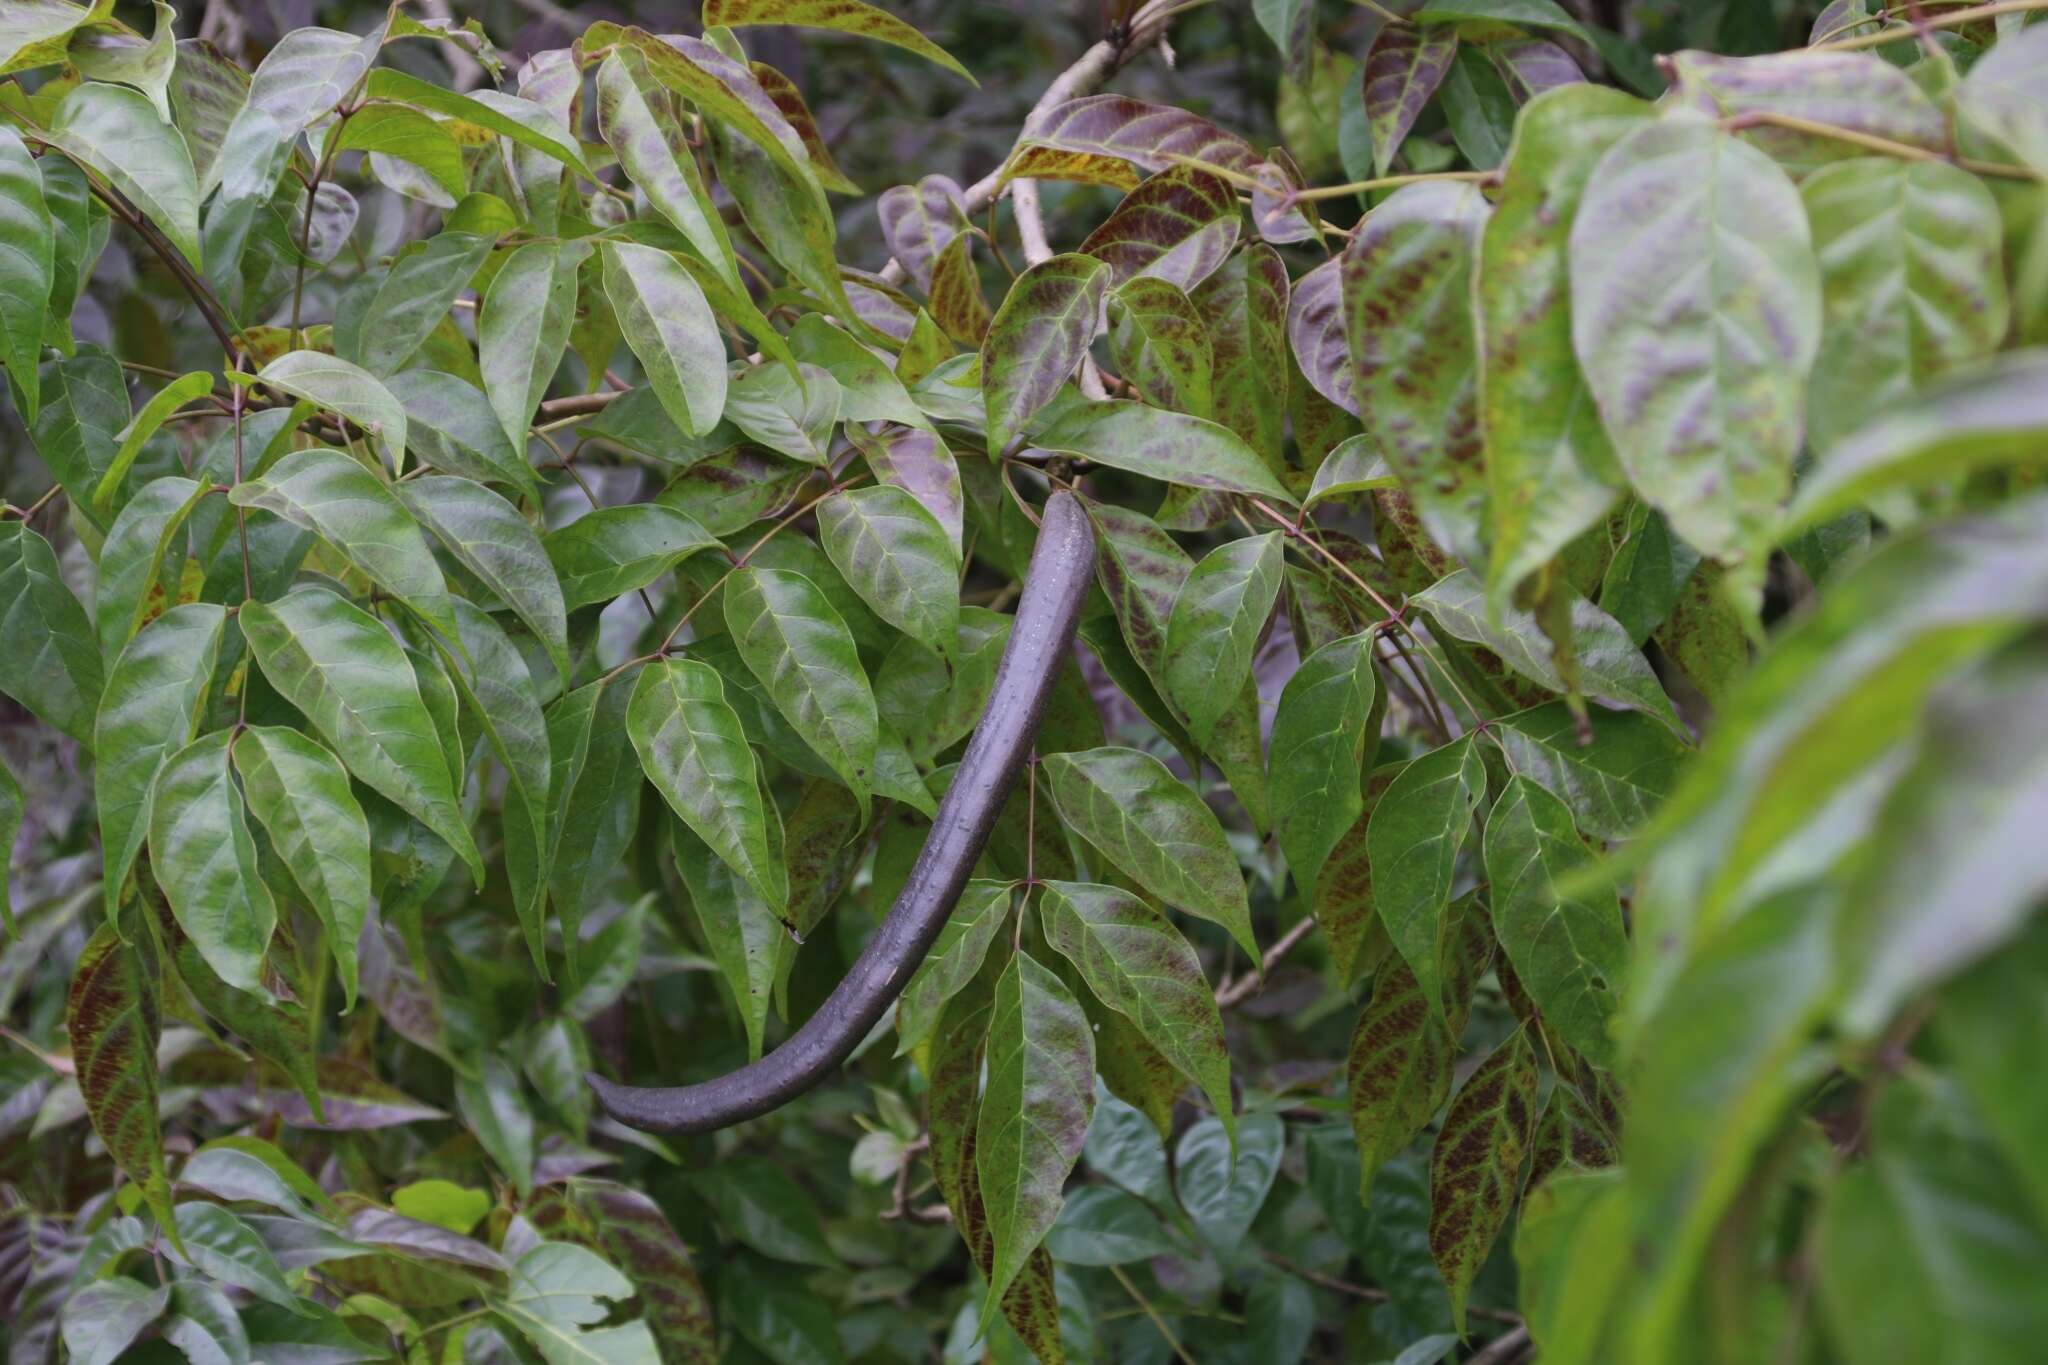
113, 1019
1315, 327
1037, 339
351, 1100
1159, 345
1402, 70
1533, 66
919, 221
1857, 92
957, 303
1179, 226
790, 101
1475, 1169
1406, 280
1245, 307
1343, 900
384, 1229
917, 461
1150, 136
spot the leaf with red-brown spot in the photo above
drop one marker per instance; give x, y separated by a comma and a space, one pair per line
790, 101
1343, 901
1037, 161
114, 1019
1475, 1169
1405, 66
1570, 1137
1142, 570
1150, 136
631, 1232
1244, 305
841, 16
919, 221
1406, 281
1315, 327
1160, 346
1037, 338
957, 303
1178, 226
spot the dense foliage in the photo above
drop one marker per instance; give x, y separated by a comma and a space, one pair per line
1536, 851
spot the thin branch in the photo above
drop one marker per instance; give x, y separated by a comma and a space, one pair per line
1884, 146
1180, 1352
1952, 19
1231, 992
1503, 1349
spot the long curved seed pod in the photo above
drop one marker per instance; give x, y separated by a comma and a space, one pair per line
1062, 566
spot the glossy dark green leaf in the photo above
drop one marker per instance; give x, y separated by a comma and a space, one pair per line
1984, 1024
1217, 620
330, 382
523, 329
1475, 1170
494, 1108
1037, 339
1613, 785
353, 510
1325, 734
103, 1318
54, 668
1034, 1113
202, 854
748, 938
451, 427
343, 670
1169, 446
1910, 287
1551, 473
151, 707
415, 297
1417, 830
693, 749
115, 132
898, 558
28, 246
614, 550
1155, 830
488, 537
1138, 964
800, 649
954, 960
1691, 367
1403, 69
671, 329
113, 1020
1407, 301
1220, 1194
931, 707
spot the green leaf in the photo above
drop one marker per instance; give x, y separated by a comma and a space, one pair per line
1570, 1138
114, 131
1570, 951
1543, 14
692, 748
1160, 344
785, 209
32, 32
11, 810
1355, 466
1921, 1251
1613, 785
84, 408
489, 537
1244, 311
523, 329
791, 414
1551, 473
593, 797
353, 510
1479, 108
1402, 70
2000, 98
748, 937
555, 1296
613, 550
1406, 280
112, 1019
931, 707
28, 247
104, 1317
870, 390
844, 16
1952, 871
53, 665
1038, 337
1571, 1250
1604, 661
800, 649
1911, 287
1217, 620
398, 130
300, 794
144, 425
1101, 1225
1156, 831
657, 160
155, 693
670, 327
521, 121
1325, 734
494, 1110
452, 428
719, 86
1699, 374
1137, 963
1170, 446
1993, 416
415, 296
957, 303
954, 960
1175, 227
1860, 93
332, 383
631, 1230
767, 1210
220, 1245
1475, 1169
1985, 1024
1222, 1186
898, 558
203, 1322
202, 855
1034, 1114
341, 667
1417, 829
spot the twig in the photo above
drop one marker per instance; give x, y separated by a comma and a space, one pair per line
1884, 146
1951, 19
1231, 992
1503, 1349
1180, 1352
